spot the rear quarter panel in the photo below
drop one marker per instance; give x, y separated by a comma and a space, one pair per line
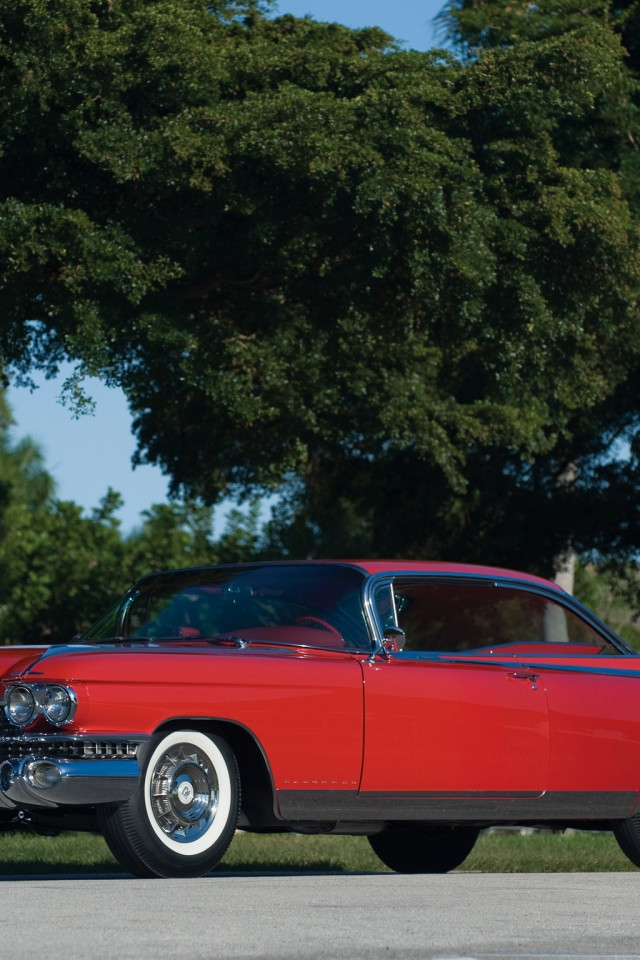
594, 722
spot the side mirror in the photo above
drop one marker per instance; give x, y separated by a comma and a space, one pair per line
393, 640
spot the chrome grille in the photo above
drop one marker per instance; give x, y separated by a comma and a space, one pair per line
16, 747
6, 728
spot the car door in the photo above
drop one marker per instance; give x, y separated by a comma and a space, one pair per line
454, 715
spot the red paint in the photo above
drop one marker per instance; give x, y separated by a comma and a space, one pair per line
538, 718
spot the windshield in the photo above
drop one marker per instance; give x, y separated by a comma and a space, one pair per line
257, 602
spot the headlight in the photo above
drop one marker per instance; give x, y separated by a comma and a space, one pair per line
58, 704
21, 706
25, 702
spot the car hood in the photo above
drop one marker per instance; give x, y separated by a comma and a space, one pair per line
144, 659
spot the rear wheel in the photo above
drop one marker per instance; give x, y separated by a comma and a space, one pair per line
627, 833
183, 816
423, 848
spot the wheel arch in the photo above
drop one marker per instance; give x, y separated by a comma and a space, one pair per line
257, 793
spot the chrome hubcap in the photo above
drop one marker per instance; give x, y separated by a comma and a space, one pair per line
184, 793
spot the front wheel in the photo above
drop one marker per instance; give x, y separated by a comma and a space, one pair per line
423, 848
184, 814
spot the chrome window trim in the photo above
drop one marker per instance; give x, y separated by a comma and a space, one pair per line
371, 586
563, 599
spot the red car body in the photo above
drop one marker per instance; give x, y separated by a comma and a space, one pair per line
415, 703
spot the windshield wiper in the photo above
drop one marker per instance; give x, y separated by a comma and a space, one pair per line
216, 638
100, 640
222, 639
239, 642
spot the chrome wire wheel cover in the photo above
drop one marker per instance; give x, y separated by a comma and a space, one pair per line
187, 792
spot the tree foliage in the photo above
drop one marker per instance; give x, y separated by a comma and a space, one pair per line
612, 136
598, 512
57, 568
392, 284
475, 25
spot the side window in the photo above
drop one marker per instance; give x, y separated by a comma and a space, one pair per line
452, 616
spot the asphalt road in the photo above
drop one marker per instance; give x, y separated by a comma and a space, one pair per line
373, 916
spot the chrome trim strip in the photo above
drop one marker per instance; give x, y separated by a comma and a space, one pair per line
541, 665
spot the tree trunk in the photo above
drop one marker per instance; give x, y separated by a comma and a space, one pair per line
564, 562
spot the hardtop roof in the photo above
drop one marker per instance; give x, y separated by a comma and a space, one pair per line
373, 567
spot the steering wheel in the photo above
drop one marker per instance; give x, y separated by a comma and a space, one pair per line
318, 623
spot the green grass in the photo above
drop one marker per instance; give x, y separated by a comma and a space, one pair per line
570, 852
25, 853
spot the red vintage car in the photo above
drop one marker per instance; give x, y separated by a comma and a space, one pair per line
414, 703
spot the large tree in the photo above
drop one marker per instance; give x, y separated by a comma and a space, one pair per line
377, 278
597, 510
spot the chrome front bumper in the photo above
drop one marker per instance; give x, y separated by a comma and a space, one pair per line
33, 776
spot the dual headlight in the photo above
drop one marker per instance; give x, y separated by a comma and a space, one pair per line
24, 702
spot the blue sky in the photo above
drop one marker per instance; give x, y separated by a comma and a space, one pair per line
90, 454
407, 20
